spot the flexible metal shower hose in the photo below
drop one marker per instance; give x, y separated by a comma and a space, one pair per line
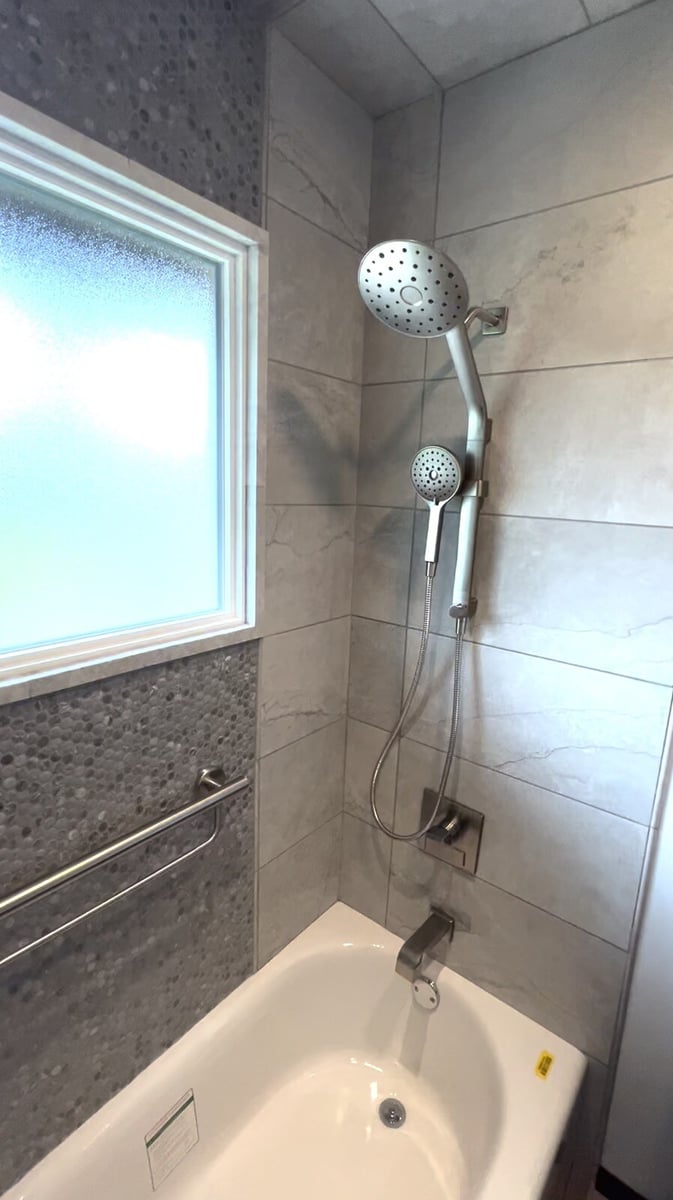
399, 726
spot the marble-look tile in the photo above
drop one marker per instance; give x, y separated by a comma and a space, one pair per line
442, 589
589, 444
456, 41
364, 743
300, 788
352, 44
585, 116
556, 853
303, 682
315, 311
365, 867
585, 734
381, 570
586, 283
377, 667
313, 431
390, 357
557, 974
297, 887
320, 146
309, 564
601, 10
390, 426
593, 594
404, 172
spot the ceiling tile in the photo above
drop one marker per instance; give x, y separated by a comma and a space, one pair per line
352, 43
457, 39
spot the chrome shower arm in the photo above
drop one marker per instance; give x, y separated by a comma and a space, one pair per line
462, 604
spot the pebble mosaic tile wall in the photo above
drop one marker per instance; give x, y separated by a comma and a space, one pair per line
84, 1014
177, 85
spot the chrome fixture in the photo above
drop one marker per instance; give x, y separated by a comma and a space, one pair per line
426, 993
410, 958
456, 839
392, 1113
416, 290
436, 475
210, 780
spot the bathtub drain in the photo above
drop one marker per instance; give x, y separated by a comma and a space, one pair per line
392, 1112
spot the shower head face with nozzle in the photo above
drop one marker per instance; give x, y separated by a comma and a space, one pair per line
436, 474
413, 288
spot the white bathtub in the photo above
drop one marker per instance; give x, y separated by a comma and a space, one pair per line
287, 1075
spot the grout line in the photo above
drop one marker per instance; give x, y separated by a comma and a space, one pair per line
312, 625
547, 45
327, 232
282, 362
272, 23
474, 641
516, 778
335, 816
261, 758
536, 212
486, 374
398, 35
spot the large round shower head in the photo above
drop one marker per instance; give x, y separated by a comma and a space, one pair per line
436, 474
413, 288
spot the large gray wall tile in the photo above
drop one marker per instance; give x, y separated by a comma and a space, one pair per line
351, 42
365, 867
309, 564
595, 594
458, 40
404, 172
390, 357
297, 887
381, 571
320, 146
588, 735
376, 669
389, 438
590, 444
588, 115
315, 312
602, 10
555, 973
300, 788
556, 853
364, 743
585, 283
303, 682
313, 431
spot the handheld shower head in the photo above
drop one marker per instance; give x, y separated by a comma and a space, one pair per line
413, 288
436, 475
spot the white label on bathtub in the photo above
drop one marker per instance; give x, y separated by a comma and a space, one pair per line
172, 1138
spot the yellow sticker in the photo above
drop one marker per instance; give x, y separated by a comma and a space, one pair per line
544, 1064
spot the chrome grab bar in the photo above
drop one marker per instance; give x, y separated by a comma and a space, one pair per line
207, 778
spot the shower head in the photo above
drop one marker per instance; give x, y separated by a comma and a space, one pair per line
413, 288
436, 475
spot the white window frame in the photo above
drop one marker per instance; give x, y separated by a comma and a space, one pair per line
36, 150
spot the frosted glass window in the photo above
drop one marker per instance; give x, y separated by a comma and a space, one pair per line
111, 432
